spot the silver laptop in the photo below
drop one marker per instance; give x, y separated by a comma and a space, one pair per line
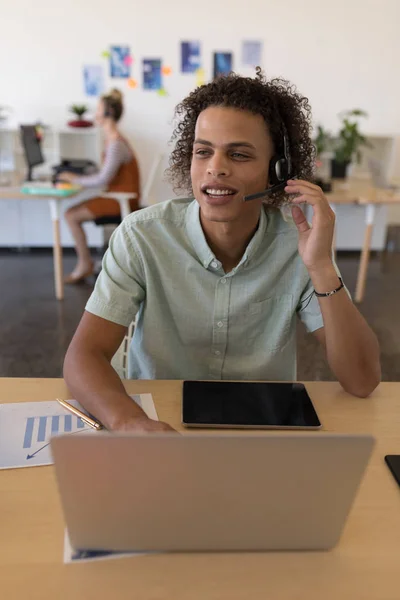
214, 492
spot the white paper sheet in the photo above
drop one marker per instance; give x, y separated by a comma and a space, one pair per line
76, 556
27, 427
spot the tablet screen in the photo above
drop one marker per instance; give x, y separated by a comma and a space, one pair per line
247, 404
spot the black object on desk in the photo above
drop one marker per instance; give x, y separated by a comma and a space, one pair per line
77, 166
246, 404
326, 186
32, 148
393, 462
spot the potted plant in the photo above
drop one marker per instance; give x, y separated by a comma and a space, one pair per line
322, 141
323, 144
348, 144
79, 110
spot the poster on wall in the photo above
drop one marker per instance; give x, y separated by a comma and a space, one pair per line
190, 55
152, 74
120, 61
222, 63
200, 77
93, 80
251, 53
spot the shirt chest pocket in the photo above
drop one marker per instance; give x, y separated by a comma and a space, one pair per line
270, 323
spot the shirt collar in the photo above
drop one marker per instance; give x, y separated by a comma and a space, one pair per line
199, 242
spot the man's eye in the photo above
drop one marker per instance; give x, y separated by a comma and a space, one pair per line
202, 152
239, 155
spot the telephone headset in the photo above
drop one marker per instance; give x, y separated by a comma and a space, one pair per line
280, 170
108, 112
110, 106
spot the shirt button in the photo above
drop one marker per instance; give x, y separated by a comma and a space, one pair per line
217, 352
214, 264
223, 280
220, 324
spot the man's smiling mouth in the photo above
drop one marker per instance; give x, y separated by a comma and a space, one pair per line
218, 190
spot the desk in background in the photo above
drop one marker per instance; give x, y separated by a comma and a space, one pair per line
357, 191
14, 193
363, 193
364, 566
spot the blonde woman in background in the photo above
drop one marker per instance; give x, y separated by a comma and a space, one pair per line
119, 173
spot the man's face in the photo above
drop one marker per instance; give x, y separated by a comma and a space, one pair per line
231, 154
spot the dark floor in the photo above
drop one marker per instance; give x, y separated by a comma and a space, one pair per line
35, 329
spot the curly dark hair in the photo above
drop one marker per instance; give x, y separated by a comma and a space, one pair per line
276, 100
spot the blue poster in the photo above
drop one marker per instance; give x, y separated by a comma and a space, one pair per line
222, 63
93, 80
251, 53
152, 74
190, 52
120, 61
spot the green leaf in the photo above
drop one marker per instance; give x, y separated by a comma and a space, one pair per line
349, 138
78, 109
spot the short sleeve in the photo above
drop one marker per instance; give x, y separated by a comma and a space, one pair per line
120, 288
308, 308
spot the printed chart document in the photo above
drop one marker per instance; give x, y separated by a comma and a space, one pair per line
27, 427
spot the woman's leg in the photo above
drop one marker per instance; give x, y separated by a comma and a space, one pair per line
75, 216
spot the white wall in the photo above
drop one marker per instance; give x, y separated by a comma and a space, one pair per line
340, 54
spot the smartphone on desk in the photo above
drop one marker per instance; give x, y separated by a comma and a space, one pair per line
393, 462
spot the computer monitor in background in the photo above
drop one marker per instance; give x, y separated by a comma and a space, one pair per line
33, 151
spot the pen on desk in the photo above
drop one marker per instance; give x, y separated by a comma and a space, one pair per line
75, 411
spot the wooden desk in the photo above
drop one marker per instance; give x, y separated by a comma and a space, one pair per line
14, 193
362, 192
54, 202
364, 566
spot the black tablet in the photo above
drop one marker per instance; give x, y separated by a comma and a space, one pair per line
248, 405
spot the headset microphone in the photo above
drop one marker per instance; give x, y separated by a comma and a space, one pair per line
267, 192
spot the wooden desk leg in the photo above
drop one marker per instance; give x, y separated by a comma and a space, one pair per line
364, 259
57, 250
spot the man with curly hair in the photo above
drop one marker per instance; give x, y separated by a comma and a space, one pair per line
216, 281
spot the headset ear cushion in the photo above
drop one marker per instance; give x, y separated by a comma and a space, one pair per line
281, 169
278, 170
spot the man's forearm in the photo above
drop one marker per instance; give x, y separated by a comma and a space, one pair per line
351, 346
97, 387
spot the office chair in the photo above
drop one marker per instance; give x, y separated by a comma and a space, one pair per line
111, 222
124, 197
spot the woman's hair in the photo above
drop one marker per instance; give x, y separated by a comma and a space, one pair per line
276, 100
113, 105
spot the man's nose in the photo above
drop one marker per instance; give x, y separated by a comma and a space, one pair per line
217, 166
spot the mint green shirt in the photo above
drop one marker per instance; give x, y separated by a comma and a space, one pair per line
194, 321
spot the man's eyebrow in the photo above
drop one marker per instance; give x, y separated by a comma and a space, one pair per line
230, 145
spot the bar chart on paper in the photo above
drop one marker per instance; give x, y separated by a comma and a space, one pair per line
37, 427
26, 429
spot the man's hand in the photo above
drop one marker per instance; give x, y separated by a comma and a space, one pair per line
144, 425
351, 347
315, 243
